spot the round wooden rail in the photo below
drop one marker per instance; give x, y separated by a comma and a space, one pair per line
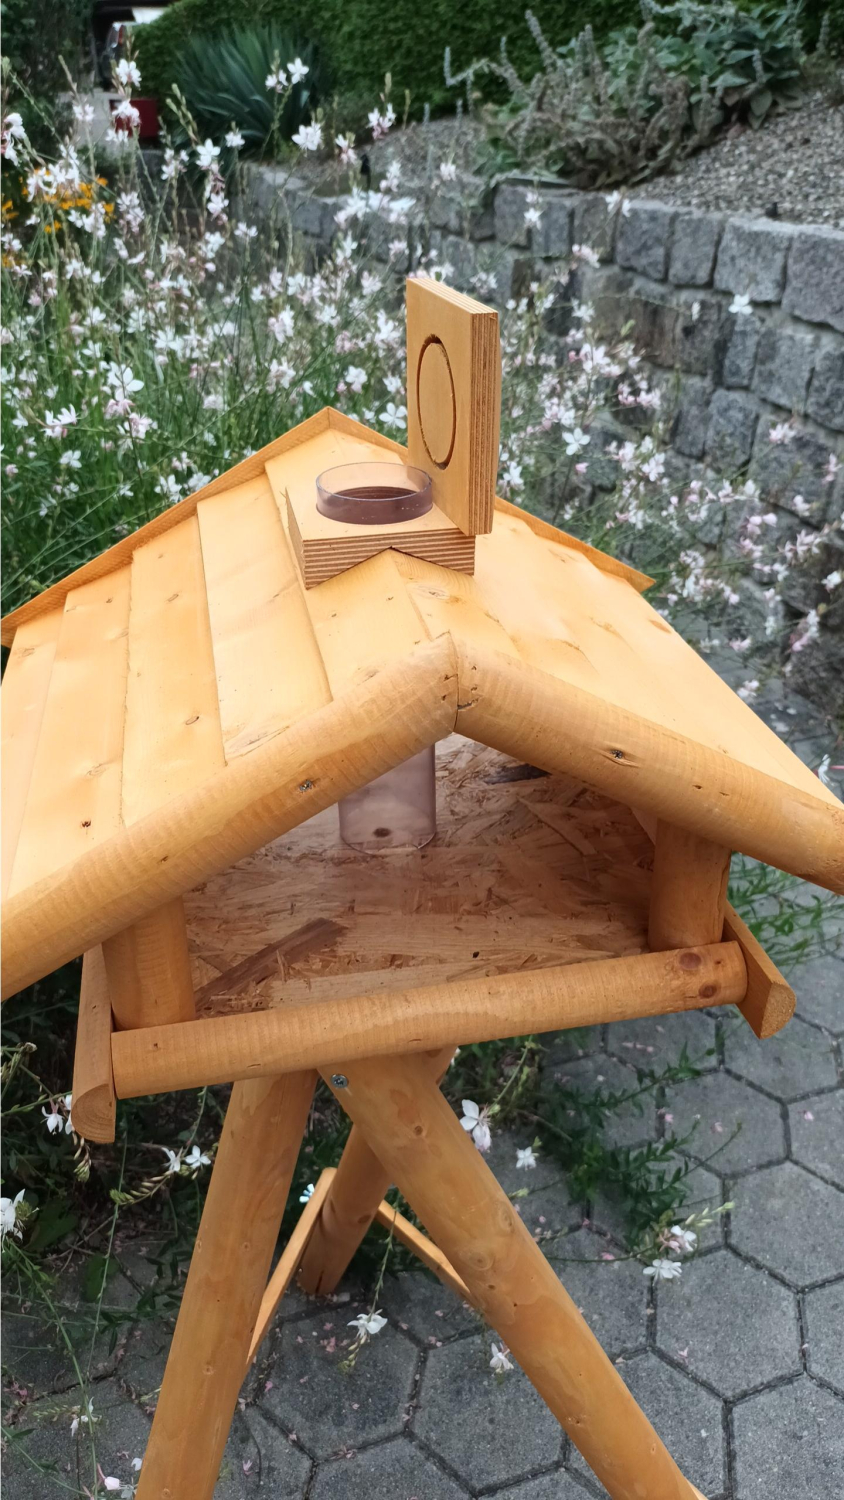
190, 1054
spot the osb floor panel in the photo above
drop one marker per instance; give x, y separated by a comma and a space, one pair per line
526, 871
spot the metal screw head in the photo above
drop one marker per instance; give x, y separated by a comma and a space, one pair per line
339, 1081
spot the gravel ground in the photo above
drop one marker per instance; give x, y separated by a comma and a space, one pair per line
793, 168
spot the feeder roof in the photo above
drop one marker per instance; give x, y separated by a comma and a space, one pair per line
182, 700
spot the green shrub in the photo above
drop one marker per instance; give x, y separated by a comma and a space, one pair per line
222, 77
364, 41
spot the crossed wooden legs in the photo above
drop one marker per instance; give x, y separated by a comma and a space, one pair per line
398, 1110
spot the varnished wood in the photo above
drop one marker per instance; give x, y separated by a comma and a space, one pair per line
424, 1249
227, 1280
149, 970
353, 1204
289, 1261
93, 1101
689, 889
454, 399
292, 1037
471, 1220
769, 1002
26, 683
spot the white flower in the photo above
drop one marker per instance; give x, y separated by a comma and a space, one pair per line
533, 216
585, 252
833, 580
196, 1158
307, 1194
832, 467
682, 1240
128, 73
781, 432
695, 311
525, 1158
9, 1216
276, 80
612, 200
71, 458
297, 70
394, 416
368, 1324
206, 155
663, 1269
575, 440
355, 378
174, 1159
53, 1119
234, 139
111, 1483
740, 305
475, 1122
448, 171
308, 137
121, 378
748, 690
499, 1363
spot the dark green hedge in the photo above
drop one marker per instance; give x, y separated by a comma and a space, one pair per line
362, 40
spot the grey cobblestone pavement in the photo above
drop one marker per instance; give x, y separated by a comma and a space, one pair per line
739, 1364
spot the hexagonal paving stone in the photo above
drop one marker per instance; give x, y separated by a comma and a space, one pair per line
488, 1431
798, 1060
817, 1134
612, 1295
331, 1410
687, 1418
732, 1325
501, 1159
260, 1458
395, 1471
422, 1306
824, 1313
819, 987
792, 1222
630, 1123
790, 1444
556, 1486
59, 1465
718, 1100
658, 1042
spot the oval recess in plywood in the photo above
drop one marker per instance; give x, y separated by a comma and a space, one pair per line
436, 402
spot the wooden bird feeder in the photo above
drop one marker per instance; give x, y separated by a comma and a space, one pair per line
180, 717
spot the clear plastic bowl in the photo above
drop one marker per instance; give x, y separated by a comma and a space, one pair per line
373, 494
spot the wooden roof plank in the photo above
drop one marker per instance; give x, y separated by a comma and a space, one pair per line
173, 734
268, 666
364, 621
26, 683
74, 792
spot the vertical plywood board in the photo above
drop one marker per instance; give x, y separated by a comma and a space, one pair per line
454, 399
268, 666
25, 686
173, 736
74, 791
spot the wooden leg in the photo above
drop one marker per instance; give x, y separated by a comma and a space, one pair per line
420, 1141
352, 1204
264, 1126
688, 891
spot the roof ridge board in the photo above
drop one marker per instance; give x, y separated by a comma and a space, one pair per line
121, 552
246, 804
611, 748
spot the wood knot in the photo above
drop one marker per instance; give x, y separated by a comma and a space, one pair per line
690, 960
706, 991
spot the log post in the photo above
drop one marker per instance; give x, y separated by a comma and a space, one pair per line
227, 1280
688, 891
354, 1198
148, 969
405, 1118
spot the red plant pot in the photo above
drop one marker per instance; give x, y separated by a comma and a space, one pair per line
148, 111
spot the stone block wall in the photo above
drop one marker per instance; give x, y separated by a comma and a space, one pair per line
726, 377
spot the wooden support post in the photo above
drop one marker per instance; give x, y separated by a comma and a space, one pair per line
93, 1102
423, 1248
264, 1125
289, 1261
689, 889
148, 968
407, 1120
352, 1204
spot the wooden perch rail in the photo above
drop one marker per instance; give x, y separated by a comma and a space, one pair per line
293, 1037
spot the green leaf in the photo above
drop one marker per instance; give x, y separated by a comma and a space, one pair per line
55, 1220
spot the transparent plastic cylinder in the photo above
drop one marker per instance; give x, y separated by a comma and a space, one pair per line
397, 810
